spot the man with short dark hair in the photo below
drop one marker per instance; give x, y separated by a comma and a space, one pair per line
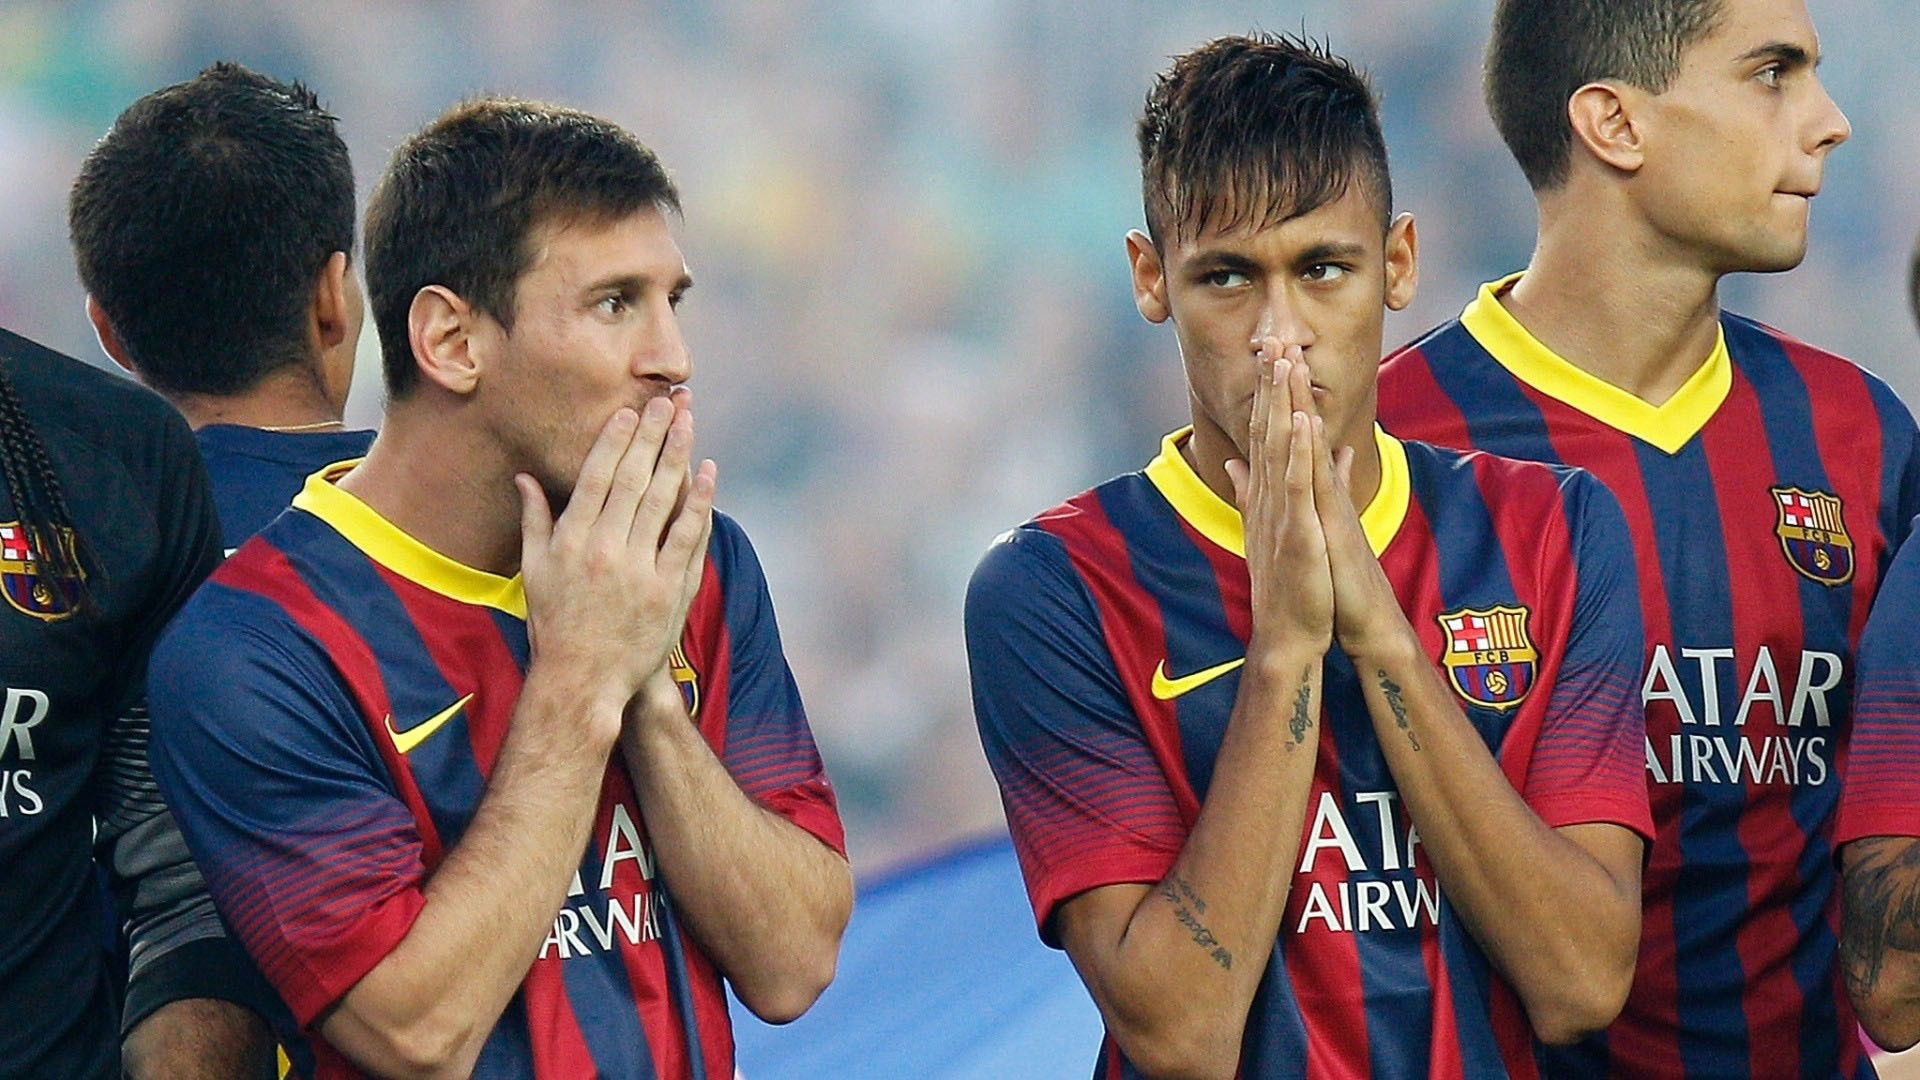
1275, 839
482, 788
213, 228
1767, 483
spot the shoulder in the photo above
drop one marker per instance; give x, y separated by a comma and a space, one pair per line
1520, 495
1823, 371
63, 395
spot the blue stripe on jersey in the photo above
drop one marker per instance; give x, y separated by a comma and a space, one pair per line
1472, 572
1786, 413
350, 584
1898, 492
508, 1051
1276, 1037
679, 983
1497, 411
1196, 633
1712, 877
597, 987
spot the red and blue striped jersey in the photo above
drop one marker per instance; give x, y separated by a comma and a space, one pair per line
1086, 625
1765, 498
292, 698
1881, 796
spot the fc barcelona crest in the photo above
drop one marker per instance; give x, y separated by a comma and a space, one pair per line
687, 679
29, 584
1489, 656
1814, 534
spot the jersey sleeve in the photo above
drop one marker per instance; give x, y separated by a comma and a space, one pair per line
1880, 791
309, 852
1086, 800
1588, 762
768, 749
178, 947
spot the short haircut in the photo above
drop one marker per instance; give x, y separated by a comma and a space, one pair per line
1544, 50
460, 201
1251, 131
202, 221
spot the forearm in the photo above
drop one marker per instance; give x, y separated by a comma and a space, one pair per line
1176, 983
429, 1005
1880, 936
766, 899
1554, 919
199, 1039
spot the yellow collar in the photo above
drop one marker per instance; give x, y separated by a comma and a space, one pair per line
1218, 520
1668, 427
384, 543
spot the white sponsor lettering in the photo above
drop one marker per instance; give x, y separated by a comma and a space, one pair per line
16, 731
16, 796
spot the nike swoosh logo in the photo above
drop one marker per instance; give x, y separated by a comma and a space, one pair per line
1167, 689
405, 741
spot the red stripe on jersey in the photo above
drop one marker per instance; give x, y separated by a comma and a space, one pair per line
648, 978
559, 1047
711, 655
1098, 550
1332, 963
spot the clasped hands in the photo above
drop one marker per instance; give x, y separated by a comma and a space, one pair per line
1314, 578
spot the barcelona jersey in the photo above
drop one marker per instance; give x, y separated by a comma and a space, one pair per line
327, 712
1103, 638
1765, 499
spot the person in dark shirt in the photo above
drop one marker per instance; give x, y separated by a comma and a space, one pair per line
240, 187
106, 527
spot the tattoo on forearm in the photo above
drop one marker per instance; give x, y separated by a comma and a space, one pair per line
1881, 909
1399, 706
1302, 720
1177, 892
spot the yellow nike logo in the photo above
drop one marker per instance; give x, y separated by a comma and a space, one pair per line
1167, 689
405, 741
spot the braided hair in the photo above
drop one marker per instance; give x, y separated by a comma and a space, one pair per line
42, 507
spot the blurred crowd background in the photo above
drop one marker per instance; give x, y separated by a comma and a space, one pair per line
912, 325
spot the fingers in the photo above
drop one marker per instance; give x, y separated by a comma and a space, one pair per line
1326, 489
1242, 481
597, 471
685, 545
663, 489
536, 518
1300, 465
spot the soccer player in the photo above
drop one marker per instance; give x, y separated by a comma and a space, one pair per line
213, 227
106, 527
1274, 838
1670, 143
482, 788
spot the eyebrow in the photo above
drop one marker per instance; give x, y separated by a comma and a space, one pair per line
1785, 52
634, 283
1331, 250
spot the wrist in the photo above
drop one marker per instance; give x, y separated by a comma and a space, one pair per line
1285, 657
555, 695
1392, 646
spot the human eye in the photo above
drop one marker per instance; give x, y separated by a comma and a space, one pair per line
1770, 76
613, 304
1225, 279
674, 298
1326, 272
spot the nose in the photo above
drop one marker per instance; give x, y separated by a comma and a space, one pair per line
1829, 127
662, 351
1280, 317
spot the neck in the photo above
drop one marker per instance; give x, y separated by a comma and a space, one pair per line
1615, 300
1209, 450
440, 483
289, 398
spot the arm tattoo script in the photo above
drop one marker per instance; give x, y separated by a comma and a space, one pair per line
1881, 908
1301, 719
1399, 706
1188, 907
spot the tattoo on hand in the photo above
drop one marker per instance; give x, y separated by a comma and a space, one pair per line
1177, 892
1399, 706
1301, 719
1881, 908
